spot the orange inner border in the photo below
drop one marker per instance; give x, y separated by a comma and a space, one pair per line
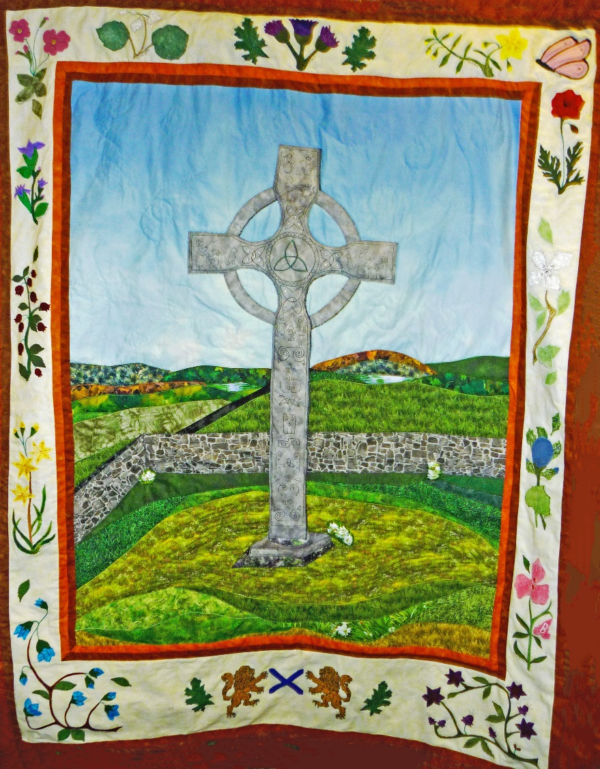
234, 76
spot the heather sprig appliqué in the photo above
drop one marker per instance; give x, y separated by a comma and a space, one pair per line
29, 321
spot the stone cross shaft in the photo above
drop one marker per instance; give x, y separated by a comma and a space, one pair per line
292, 259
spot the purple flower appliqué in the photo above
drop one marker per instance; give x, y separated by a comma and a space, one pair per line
31, 148
455, 677
526, 729
274, 27
492, 733
21, 190
433, 696
515, 691
441, 723
303, 29
431, 721
42, 183
523, 710
326, 40
467, 720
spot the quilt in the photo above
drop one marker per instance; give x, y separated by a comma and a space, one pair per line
290, 315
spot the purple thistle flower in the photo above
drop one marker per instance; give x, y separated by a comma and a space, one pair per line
21, 190
42, 183
492, 733
523, 710
277, 29
326, 40
303, 29
467, 720
515, 691
31, 148
455, 677
526, 729
433, 696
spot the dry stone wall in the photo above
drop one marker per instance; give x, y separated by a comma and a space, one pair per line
249, 453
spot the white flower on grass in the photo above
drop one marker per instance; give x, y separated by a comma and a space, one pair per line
344, 629
147, 476
433, 470
545, 274
136, 24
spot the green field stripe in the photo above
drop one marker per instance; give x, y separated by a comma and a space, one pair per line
341, 406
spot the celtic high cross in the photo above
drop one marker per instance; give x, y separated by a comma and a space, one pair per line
292, 259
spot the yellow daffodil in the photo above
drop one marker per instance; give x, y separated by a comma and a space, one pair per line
22, 494
25, 465
511, 45
41, 451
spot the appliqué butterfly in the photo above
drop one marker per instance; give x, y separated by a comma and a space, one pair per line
567, 58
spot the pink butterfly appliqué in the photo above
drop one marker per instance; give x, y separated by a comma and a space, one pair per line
567, 58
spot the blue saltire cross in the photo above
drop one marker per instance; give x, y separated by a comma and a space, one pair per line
286, 681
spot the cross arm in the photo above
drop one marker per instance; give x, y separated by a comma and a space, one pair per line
368, 260
208, 252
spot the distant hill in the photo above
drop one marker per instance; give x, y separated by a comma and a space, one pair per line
256, 377
376, 362
122, 374
491, 367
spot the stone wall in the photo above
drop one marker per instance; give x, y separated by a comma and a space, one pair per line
249, 453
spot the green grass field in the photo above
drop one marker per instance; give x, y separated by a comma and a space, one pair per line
340, 406
482, 367
174, 582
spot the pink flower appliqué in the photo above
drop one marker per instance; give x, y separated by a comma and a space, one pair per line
55, 42
19, 30
543, 629
531, 588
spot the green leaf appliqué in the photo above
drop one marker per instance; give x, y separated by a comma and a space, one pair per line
362, 47
381, 698
249, 40
113, 35
197, 696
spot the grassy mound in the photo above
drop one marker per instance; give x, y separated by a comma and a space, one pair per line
340, 406
146, 506
396, 551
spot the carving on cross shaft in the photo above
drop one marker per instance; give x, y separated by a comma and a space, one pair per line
292, 259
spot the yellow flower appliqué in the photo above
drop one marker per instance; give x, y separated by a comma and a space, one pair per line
25, 465
22, 494
41, 451
512, 45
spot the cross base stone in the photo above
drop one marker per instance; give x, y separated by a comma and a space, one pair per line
268, 553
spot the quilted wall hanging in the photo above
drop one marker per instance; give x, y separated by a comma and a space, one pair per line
291, 304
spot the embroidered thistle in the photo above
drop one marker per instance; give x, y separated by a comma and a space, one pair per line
54, 43
64, 720
303, 30
530, 586
503, 717
566, 106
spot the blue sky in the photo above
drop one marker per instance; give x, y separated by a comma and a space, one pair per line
150, 163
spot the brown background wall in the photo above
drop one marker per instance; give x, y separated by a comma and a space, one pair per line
576, 724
